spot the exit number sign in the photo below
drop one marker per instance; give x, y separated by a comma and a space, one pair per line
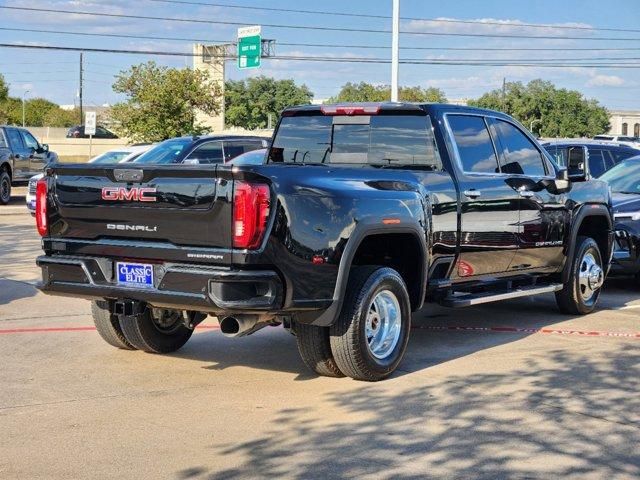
249, 47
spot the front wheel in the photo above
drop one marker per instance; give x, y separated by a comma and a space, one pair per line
5, 187
580, 294
156, 330
371, 334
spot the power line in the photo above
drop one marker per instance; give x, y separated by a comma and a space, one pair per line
362, 60
386, 17
321, 45
306, 27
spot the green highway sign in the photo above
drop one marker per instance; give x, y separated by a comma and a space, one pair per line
249, 47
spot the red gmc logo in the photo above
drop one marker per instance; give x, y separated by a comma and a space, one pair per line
133, 194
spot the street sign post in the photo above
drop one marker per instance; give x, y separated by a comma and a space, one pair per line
249, 47
90, 128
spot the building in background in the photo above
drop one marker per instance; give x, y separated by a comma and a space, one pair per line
625, 122
211, 58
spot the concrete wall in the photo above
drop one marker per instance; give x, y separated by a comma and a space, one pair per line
78, 149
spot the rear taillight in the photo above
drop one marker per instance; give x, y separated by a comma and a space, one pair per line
41, 207
251, 203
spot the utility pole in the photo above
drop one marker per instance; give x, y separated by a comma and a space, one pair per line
504, 94
395, 47
81, 88
23, 95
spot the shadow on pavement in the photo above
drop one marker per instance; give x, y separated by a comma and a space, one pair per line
564, 416
11, 290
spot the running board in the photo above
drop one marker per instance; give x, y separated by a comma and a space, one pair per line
469, 299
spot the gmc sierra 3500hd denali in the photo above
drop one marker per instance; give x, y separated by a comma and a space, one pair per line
359, 214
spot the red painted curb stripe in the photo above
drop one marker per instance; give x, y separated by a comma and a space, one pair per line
8, 331
543, 331
547, 331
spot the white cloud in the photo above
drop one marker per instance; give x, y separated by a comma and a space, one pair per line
605, 81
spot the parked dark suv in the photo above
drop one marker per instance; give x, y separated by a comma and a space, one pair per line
101, 132
21, 157
201, 150
596, 157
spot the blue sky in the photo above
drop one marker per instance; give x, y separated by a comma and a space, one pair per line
54, 75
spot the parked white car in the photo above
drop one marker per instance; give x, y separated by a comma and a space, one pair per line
121, 154
118, 155
633, 142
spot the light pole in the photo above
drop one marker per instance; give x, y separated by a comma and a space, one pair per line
23, 95
533, 122
395, 47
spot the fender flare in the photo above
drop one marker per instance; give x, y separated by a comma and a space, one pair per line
4, 162
585, 211
361, 232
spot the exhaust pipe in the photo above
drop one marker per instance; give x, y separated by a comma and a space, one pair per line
240, 326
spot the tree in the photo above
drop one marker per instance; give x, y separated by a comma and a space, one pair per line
558, 112
366, 92
162, 102
248, 103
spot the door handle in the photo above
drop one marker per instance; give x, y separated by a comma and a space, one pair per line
17, 156
472, 193
526, 193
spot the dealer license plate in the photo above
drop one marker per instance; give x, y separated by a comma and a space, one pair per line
135, 274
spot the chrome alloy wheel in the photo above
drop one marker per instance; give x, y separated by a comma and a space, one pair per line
383, 324
590, 276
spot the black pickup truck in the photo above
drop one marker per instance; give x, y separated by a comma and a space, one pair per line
359, 215
21, 157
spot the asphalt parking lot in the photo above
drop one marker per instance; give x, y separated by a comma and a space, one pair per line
512, 389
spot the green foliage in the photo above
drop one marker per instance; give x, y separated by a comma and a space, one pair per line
248, 103
366, 92
162, 102
558, 112
4, 89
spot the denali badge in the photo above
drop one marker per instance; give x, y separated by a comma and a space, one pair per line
132, 228
133, 194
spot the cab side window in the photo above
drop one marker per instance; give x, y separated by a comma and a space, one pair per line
29, 141
519, 154
3, 143
477, 154
597, 162
210, 152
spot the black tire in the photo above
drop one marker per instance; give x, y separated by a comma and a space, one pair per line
571, 299
108, 325
144, 334
5, 187
349, 342
315, 350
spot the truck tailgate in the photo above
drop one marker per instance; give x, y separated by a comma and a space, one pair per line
177, 205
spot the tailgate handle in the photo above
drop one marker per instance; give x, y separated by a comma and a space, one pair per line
128, 175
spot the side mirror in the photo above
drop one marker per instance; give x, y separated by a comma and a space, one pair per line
578, 164
561, 184
191, 161
45, 147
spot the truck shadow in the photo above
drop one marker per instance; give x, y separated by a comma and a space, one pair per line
274, 349
561, 416
11, 290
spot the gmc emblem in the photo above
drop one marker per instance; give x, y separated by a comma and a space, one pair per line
133, 194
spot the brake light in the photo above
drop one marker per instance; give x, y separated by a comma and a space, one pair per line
251, 203
350, 110
41, 207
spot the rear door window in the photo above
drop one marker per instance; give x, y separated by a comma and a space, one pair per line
207, 153
234, 148
15, 139
519, 154
474, 144
597, 165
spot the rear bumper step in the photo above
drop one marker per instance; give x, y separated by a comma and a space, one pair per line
469, 299
177, 286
